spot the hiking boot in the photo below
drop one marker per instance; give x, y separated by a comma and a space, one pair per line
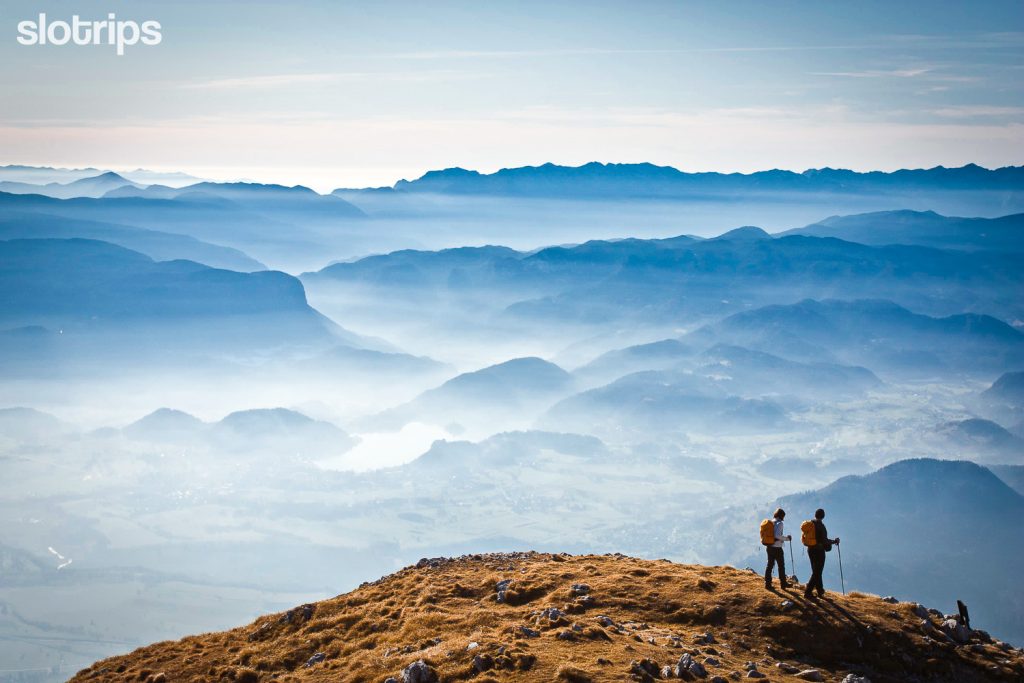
808, 595
768, 585
784, 585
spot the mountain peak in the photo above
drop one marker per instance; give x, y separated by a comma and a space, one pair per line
453, 172
543, 617
110, 175
747, 233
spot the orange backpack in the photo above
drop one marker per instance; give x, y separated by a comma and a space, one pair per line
808, 534
767, 532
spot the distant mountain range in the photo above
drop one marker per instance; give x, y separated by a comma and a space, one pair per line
874, 333
925, 228
689, 278
77, 280
648, 180
981, 440
45, 175
293, 227
603, 180
96, 186
69, 301
160, 246
28, 424
270, 198
501, 397
1008, 389
1013, 475
274, 431
660, 405
275, 226
734, 369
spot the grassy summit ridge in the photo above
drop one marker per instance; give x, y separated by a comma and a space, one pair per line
543, 617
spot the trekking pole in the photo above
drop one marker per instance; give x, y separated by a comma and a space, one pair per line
792, 561
841, 577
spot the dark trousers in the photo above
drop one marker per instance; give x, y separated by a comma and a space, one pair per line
817, 557
775, 555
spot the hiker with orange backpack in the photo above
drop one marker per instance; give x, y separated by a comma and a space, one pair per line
814, 535
773, 537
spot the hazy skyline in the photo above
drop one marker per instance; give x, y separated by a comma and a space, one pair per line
333, 94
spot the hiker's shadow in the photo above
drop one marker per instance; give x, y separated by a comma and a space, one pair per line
826, 609
828, 603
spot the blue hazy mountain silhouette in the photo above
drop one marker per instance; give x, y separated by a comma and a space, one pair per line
80, 279
43, 175
1008, 389
878, 334
660, 355
663, 402
648, 180
504, 381
685, 278
923, 227
495, 392
747, 372
1013, 475
417, 267
274, 224
267, 428
737, 370
271, 430
75, 303
267, 196
28, 424
166, 425
160, 246
95, 186
509, 449
989, 439
747, 232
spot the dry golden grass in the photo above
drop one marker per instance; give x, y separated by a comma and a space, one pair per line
640, 610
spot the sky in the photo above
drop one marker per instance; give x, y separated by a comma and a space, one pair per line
353, 94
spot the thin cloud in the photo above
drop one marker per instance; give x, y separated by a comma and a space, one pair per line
975, 111
874, 73
990, 40
274, 81
286, 80
571, 52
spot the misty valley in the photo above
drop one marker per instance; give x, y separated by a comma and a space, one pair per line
226, 399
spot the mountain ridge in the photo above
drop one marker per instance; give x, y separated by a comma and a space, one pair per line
646, 179
530, 616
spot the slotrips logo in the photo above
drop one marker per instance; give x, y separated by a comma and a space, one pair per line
111, 32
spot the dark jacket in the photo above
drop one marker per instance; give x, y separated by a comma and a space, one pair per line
822, 541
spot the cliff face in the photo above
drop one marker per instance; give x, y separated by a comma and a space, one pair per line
542, 617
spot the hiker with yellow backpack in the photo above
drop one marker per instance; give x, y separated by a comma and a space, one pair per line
773, 537
814, 536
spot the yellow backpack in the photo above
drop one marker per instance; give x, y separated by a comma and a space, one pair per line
767, 532
808, 535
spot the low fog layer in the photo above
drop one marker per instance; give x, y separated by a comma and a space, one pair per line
189, 440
